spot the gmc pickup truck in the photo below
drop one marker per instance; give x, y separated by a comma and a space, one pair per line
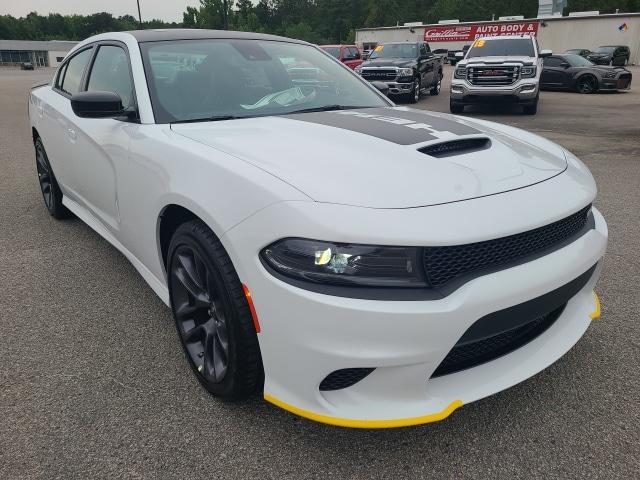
408, 69
499, 69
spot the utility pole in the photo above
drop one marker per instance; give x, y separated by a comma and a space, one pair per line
225, 6
139, 16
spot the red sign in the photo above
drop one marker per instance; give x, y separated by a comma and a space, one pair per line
466, 33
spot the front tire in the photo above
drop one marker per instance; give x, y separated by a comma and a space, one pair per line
531, 109
587, 84
455, 107
212, 315
51, 193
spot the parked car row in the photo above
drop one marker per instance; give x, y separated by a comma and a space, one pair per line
502, 69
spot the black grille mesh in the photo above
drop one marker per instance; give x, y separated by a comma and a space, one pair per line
443, 264
471, 354
344, 378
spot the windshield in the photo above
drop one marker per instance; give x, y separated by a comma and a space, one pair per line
521, 47
193, 80
574, 50
333, 51
605, 49
577, 61
395, 50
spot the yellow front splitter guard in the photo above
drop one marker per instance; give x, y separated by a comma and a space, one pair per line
596, 313
355, 423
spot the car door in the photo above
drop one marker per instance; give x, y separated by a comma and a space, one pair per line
58, 127
102, 144
554, 72
425, 65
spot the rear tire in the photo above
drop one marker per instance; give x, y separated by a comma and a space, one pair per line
212, 316
51, 193
435, 90
455, 107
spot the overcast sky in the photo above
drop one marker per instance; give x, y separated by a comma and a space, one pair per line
168, 10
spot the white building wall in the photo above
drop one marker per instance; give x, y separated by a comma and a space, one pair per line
53, 57
558, 34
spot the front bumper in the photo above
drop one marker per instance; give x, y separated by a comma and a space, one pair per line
615, 83
523, 91
400, 88
306, 335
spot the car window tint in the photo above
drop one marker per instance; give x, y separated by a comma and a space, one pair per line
74, 71
110, 73
552, 62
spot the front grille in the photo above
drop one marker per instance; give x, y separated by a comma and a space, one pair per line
493, 76
443, 264
472, 354
344, 378
379, 73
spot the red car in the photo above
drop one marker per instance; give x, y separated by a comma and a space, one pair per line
347, 54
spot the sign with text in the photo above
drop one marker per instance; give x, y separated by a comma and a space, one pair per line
466, 33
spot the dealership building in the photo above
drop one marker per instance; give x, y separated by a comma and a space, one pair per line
40, 54
587, 30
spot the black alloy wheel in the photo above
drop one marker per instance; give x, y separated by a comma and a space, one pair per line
435, 90
587, 84
51, 193
212, 315
414, 96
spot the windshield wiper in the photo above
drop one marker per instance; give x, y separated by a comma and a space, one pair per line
326, 108
213, 118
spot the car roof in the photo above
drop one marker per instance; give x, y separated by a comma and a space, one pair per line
613, 46
338, 45
168, 34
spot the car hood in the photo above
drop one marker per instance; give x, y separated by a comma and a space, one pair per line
390, 62
497, 60
371, 157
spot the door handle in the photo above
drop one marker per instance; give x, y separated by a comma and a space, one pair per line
72, 133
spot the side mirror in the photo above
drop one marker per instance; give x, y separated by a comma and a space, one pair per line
460, 55
545, 53
97, 105
382, 87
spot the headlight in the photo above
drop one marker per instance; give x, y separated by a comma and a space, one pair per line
460, 72
528, 72
610, 74
358, 70
405, 72
346, 264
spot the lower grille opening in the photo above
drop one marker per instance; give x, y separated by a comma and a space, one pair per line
344, 378
471, 354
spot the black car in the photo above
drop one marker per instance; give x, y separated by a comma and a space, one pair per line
26, 66
610, 55
453, 58
407, 68
573, 72
583, 52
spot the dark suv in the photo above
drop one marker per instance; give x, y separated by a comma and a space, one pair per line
610, 55
408, 68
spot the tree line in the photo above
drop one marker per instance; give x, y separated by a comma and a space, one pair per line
317, 21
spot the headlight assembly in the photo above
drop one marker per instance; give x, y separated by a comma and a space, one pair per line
405, 72
528, 72
460, 72
346, 264
610, 74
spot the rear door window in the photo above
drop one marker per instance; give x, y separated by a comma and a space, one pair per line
74, 70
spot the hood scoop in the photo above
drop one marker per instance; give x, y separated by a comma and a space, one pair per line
456, 147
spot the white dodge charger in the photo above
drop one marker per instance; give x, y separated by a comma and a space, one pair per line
357, 263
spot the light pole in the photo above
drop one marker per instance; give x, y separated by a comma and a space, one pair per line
139, 16
225, 6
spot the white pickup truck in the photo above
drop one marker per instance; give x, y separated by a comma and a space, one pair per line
499, 69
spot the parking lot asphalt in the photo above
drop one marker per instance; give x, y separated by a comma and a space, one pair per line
94, 384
